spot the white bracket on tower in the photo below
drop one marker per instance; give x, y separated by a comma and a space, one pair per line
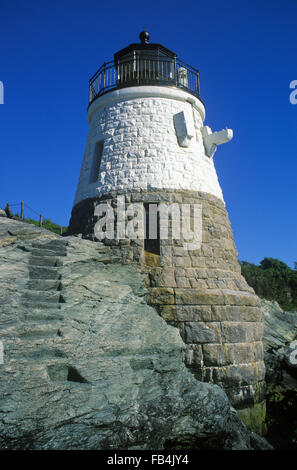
184, 128
212, 139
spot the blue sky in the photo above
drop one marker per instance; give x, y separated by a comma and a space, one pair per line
246, 53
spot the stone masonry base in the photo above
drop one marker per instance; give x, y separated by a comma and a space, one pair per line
201, 292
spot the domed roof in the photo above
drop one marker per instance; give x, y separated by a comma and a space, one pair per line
145, 47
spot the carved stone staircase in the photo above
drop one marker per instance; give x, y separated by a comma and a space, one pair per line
40, 331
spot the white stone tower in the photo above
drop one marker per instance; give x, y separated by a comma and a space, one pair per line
148, 143
146, 127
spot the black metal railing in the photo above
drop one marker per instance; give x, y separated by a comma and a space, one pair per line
144, 70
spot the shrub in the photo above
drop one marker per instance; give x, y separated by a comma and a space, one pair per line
273, 280
47, 224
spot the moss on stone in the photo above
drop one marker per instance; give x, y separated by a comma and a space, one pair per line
254, 417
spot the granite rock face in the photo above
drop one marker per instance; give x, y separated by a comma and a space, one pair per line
280, 347
280, 334
88, 364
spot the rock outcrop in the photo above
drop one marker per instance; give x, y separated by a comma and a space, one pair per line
280, 345
88, 364
200, 291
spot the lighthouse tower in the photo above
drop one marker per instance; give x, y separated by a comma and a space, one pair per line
148, 146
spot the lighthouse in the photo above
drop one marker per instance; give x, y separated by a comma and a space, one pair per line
149, 151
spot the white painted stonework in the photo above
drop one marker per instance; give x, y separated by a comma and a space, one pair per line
184, 128
141, 145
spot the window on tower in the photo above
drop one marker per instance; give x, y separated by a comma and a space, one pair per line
96, 161
151, 228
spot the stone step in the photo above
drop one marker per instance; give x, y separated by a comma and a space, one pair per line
44, 261
41, 305
43, 272
109, 259
47, 252
43, 316
53, 246
41, 296
37, 331
56, 241
103, 249
44, 284
39, 353
60, 242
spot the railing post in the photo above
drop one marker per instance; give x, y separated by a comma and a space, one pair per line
8, 211
40, 221
175, 72
22, 209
